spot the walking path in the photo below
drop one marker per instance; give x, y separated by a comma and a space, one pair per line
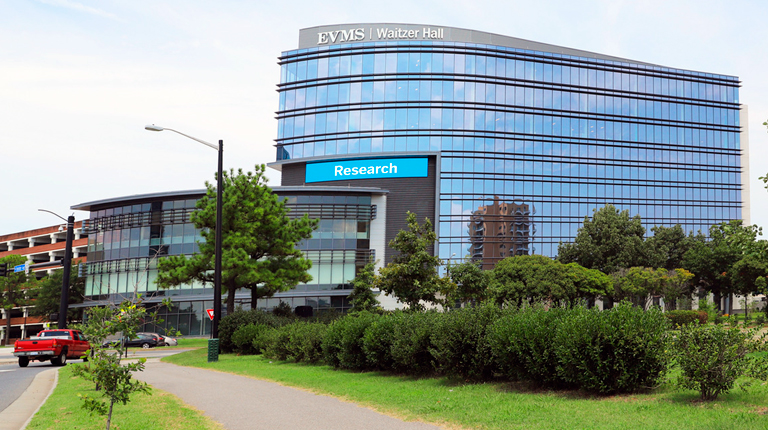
239, 402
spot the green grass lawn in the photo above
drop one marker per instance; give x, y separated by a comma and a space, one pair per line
502, 405
184, 343
158, 411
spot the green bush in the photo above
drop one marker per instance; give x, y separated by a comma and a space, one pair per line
343, 342
244, 338
760, 320
681, 318
378, 339
262, 340
230, 323
305, 341
522, 344
623, 349
277, 343
283, 310
712, 358
458, 342
411, 345
332, 343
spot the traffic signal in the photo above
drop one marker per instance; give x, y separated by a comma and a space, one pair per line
3, 270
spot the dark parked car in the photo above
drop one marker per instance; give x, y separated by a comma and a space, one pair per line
163, 340
158, 338
143, 340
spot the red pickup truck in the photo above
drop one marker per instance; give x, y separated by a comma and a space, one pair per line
54, 345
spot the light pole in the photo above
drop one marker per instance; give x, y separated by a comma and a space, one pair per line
219, 189
67, 265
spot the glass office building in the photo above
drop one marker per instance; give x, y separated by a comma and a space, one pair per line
522, 139
128, 235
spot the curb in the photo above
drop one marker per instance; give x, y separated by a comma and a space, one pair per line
20, 413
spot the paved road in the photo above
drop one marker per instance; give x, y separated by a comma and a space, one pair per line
239, 402
14, 380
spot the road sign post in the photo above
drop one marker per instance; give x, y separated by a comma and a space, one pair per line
213, 344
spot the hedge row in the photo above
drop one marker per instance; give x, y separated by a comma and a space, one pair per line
619, 350
681, 318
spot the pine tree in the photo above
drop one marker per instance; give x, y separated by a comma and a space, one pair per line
258, 241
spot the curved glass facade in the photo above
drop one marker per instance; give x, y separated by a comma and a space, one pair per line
529, 142
129, 234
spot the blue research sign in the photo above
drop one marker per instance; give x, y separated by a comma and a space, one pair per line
344, 170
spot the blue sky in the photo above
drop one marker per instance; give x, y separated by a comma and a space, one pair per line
80, 79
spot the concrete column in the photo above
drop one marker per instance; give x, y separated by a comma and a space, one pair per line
746, 208
51, 257
53, 237
10, 246
31, 241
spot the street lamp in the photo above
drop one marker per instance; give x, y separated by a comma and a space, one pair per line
219, 188
67, 264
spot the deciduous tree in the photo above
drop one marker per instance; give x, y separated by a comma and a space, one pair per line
609, 241
533, 278
362, 297
712, 259
667, 247
46, 295
12, 294
471, 281
412, 276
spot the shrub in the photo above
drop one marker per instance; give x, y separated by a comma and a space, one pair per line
712, 358
522, 344
343, 341
623, 349
326, 316
760, 320
262, 340
284, 310
681, 318
458, 342
305, 341
243, 338
703, 316
277, 343
332, 343
230, 323
378, 339
411, 344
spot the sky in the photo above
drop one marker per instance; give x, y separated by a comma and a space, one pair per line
79, 80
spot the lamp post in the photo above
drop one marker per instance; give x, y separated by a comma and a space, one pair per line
219, 189
67, 265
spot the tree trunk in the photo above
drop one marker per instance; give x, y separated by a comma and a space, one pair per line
746, 307
109, 415
717, 298
230, 299
671, 304
7, 326
730, 304
254, 296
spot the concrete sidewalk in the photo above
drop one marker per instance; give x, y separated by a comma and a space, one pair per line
20, 413
242, 403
